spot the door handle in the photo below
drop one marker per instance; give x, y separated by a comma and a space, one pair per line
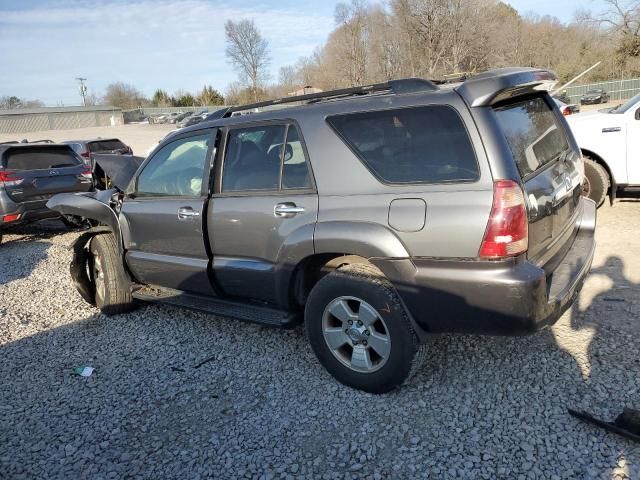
185, 213
287, 209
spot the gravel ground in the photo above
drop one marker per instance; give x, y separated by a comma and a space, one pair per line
262, 407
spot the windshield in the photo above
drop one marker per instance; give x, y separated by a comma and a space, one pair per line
624, 107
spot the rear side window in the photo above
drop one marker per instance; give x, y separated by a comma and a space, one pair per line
533, 133
267, 157
411, 145
106, 146
40, 159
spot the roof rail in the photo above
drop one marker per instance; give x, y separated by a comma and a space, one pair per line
405, 85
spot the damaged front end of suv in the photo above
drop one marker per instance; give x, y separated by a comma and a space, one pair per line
101, 208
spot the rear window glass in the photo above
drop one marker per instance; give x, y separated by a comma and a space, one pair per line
533, 133
106, 146
411, 145
40, 159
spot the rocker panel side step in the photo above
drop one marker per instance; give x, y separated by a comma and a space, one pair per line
215, 306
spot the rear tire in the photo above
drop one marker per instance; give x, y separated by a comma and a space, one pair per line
112, 284
596, 181
379, 350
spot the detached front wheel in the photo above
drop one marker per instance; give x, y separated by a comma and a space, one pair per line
360, 331
112, 284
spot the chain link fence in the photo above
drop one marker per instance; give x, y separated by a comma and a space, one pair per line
617, 89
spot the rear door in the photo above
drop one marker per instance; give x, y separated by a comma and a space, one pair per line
263, 212
40, 171
163, 220
551, 170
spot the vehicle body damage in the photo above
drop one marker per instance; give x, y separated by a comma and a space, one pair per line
101, 207
347, 213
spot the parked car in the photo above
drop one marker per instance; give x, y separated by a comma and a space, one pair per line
592, 97
88, 149
377, 215
565, 109
610, 143
30, 173
182, 116
191, 120
563, 96
171, 118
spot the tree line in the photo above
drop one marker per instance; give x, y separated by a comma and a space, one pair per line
435, 39
440, 39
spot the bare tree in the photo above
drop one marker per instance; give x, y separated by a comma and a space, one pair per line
123, 95
248, 51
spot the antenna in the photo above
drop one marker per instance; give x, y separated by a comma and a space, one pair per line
83, 90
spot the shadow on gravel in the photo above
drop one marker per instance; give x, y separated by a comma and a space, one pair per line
481, 407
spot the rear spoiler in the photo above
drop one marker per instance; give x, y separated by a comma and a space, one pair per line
501, 84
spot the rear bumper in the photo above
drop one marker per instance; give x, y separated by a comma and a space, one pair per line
510, 297
28, 211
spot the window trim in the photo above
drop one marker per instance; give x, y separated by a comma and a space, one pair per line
411, 183
222, 154
211, 132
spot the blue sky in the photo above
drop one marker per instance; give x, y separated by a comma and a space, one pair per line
169, 44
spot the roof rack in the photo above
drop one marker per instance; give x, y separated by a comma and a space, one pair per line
405, 85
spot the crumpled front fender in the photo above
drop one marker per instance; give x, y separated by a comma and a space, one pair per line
92, 205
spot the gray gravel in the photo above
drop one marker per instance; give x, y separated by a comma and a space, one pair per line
262, 407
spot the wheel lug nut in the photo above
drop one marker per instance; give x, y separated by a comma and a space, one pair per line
367, 333
364, 342
350, 322
359, 323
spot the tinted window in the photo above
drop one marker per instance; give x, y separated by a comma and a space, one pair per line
176, 169
533, 133
40, 159
252, 161
295, 171
107, 146
411, 145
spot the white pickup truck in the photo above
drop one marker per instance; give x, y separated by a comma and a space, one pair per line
610, 143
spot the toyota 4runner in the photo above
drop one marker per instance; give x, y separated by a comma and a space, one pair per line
376, 215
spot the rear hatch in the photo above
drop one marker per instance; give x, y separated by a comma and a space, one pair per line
551, 171
36, 172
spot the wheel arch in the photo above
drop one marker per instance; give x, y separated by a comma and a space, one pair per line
613, 186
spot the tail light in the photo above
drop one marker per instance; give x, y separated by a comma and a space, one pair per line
507, 233
566, 111
86, 171
85, 154
10, 218
10, 179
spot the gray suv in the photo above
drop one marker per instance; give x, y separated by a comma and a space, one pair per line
376, 215
30, 174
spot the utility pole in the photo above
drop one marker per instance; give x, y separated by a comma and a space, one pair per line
83, 90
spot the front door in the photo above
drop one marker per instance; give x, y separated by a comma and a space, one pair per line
163, 220
633, 145
263, 214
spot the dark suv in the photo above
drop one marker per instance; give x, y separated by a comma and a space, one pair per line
377, 215
30, 174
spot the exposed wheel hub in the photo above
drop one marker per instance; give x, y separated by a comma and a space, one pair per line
358, 334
